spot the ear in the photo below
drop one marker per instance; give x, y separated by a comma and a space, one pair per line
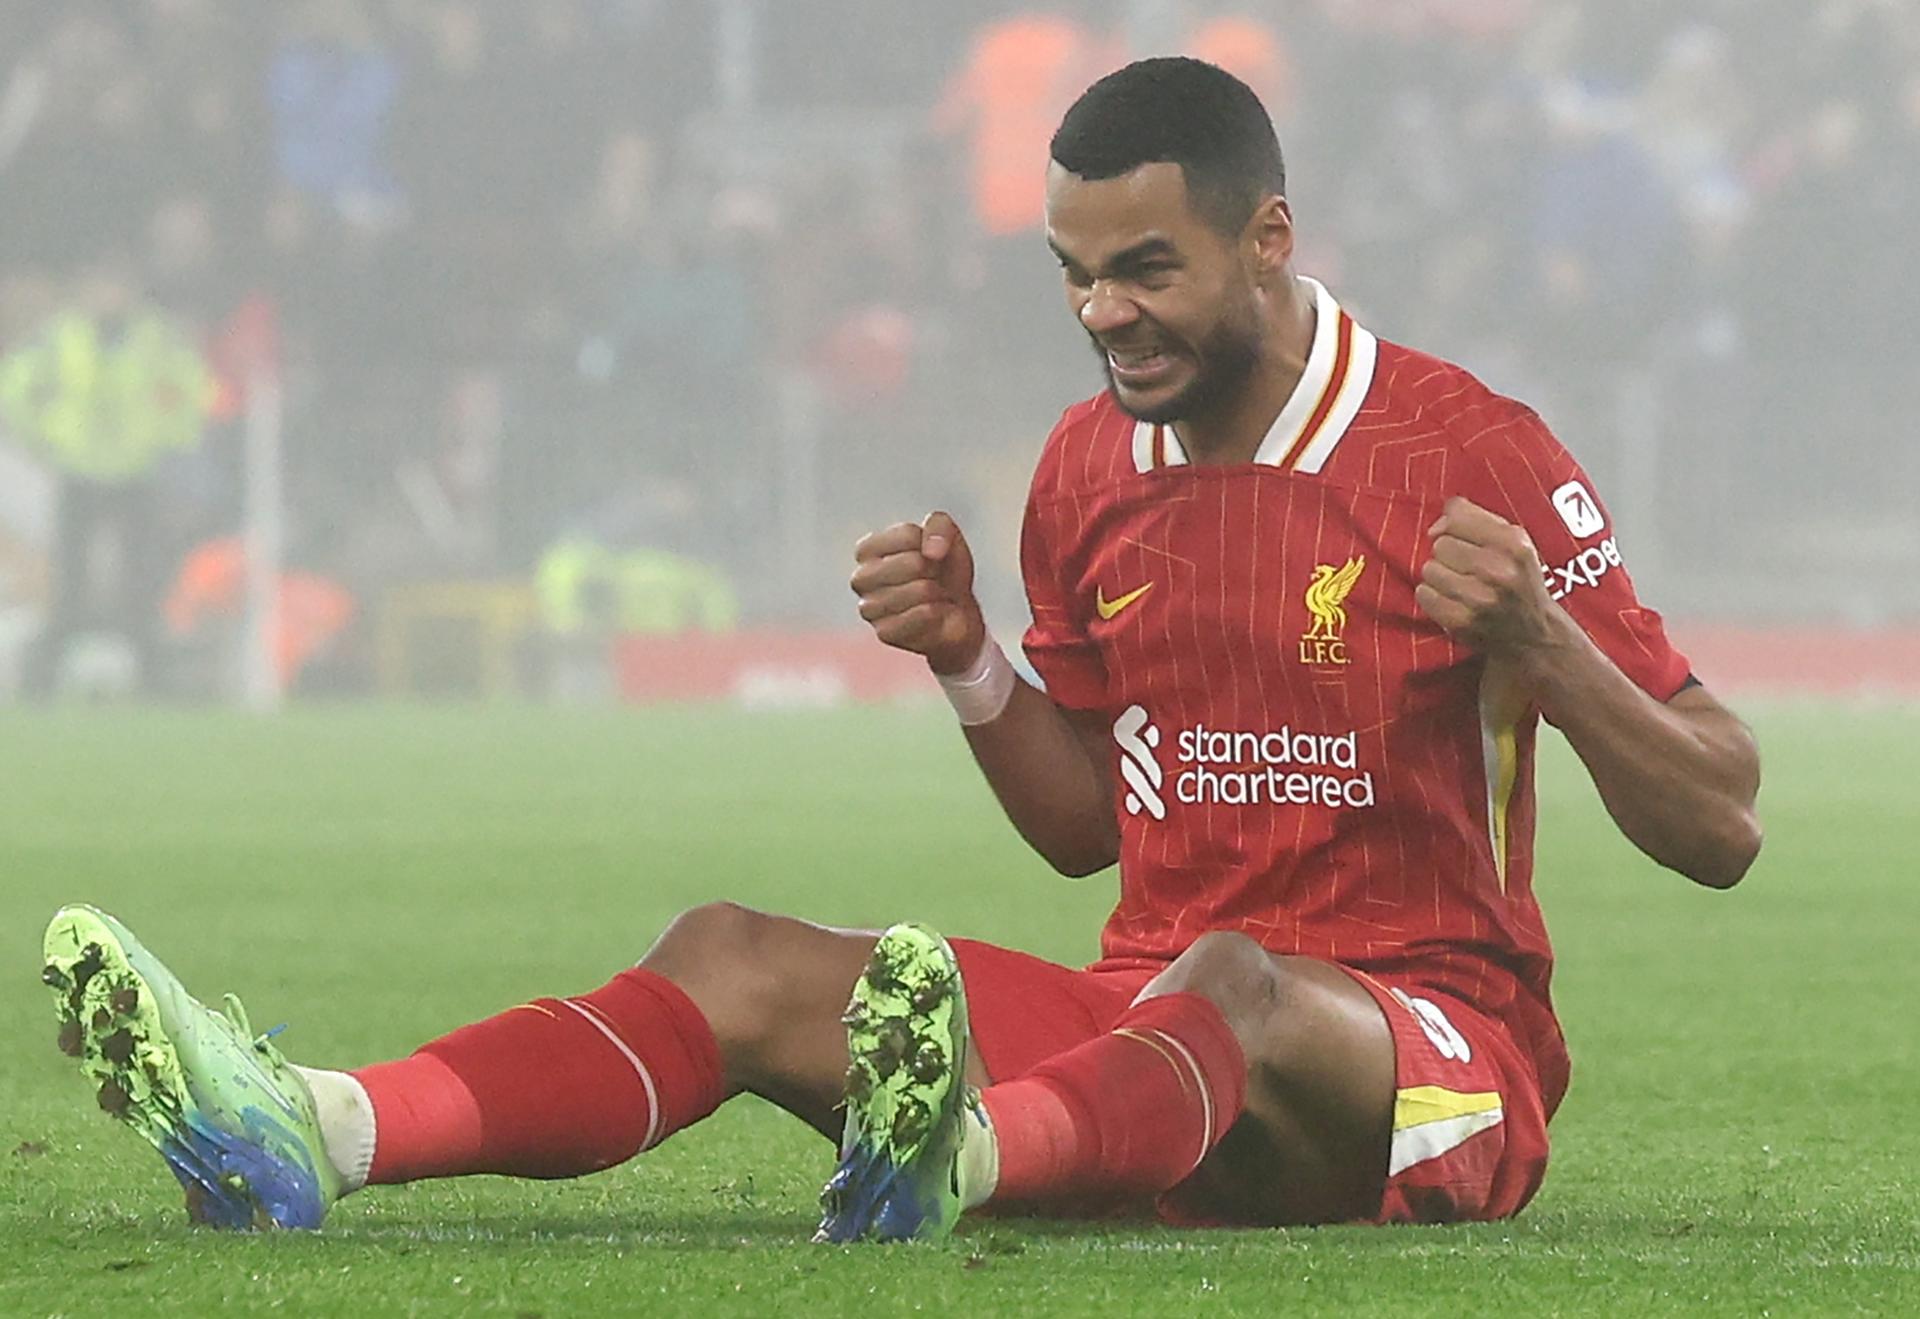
1270, 236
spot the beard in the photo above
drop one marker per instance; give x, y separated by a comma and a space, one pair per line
1223, 361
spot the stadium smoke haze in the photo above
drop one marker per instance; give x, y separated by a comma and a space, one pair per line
500, 350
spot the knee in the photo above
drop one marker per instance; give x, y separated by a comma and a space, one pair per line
713, 931
726, 957
1242, 979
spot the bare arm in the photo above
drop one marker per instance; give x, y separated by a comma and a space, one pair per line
1046, 765
1679, 778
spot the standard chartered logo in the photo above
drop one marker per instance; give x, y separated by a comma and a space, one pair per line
1279, 767
1138, 765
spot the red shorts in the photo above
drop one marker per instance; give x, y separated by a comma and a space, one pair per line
1469, 1128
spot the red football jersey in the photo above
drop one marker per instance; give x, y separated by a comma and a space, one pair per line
1299, 753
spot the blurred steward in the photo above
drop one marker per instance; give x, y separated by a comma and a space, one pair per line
999, 110
102, 394
591, 593
1021, 74
208, 605
1253, 52
589, 589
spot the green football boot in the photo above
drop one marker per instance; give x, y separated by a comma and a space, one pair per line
232, 1119
908, 1102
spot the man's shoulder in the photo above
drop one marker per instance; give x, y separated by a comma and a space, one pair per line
1417, 389
1090, 445
1425, 416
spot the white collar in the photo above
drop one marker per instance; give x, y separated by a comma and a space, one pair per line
1338, 373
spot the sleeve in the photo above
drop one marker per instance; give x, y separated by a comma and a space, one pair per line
1057, 644
1524, 474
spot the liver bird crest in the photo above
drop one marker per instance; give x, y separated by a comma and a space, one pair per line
1329, 588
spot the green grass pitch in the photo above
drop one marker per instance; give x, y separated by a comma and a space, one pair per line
1740, 1137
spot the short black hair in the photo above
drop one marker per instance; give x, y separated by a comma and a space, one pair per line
1188, 112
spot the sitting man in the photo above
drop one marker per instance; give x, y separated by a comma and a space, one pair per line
1300, 599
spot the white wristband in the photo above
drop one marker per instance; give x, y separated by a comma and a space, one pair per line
981, 693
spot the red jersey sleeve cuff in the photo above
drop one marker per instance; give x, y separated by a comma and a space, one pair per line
1648, 657
1635, 640
1073, 678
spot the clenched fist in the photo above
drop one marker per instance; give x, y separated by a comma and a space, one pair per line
1483, 583
915, 583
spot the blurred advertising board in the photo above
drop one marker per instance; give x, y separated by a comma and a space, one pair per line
767, 668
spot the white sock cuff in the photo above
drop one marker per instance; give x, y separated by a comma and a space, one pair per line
347, 1127
979, 1156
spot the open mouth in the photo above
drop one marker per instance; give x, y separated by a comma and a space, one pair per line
1139, 366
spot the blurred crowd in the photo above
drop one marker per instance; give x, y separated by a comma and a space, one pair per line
733, 279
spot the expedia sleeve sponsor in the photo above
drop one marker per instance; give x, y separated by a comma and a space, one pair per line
1522, 473
1584, 569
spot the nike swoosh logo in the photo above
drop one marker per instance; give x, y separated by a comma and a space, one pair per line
1109, 608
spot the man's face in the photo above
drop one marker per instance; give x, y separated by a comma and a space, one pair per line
1167, 300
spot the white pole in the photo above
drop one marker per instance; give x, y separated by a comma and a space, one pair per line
264, 544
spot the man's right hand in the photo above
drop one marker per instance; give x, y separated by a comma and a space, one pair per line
915, 583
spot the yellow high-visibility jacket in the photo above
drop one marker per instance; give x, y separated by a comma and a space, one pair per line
106, 411
585, 587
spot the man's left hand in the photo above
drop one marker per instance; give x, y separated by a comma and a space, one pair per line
1484, 584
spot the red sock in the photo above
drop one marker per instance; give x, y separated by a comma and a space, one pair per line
552, 1088
1130, 1113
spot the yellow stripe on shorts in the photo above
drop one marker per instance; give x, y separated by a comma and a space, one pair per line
1429, 1120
